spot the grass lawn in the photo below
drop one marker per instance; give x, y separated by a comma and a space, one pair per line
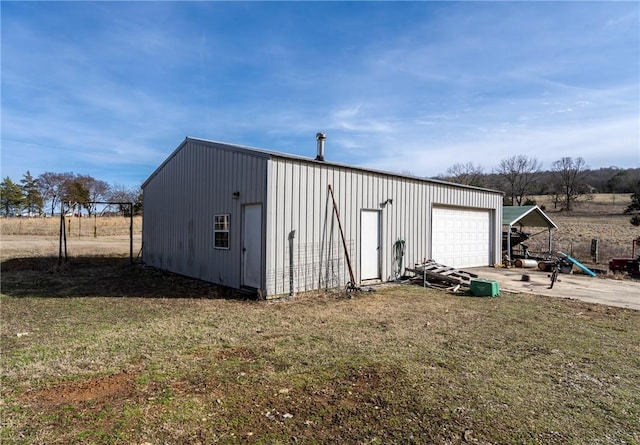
112, 354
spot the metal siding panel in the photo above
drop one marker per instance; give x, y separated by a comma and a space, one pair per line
314, 234
301, 208
288, 218
285, 221
395, 225
315, 212
320, 210
280, 193
304, 212
410, 211
421, 228
346, 218
351, 222
271, 225
387, 223
297, 204
282, 221
362, 203
182, 198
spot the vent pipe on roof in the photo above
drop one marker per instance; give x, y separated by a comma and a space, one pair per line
320, 137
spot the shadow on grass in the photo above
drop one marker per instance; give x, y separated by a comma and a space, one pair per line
101, 277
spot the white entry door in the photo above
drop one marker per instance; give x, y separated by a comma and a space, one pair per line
252, 245
370, 245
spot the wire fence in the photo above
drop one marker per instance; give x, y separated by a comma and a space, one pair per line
583, 250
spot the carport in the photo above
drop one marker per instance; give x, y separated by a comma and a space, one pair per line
515, 218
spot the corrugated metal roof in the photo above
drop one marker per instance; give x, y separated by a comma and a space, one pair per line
270, 153
531, 216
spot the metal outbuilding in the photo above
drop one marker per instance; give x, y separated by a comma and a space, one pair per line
265, 221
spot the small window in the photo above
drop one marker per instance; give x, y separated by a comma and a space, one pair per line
221, 231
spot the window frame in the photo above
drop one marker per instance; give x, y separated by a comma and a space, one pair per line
225, 227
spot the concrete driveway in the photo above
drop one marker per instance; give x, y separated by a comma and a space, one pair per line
620, 293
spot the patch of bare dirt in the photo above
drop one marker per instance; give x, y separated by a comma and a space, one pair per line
102, 390
235, 353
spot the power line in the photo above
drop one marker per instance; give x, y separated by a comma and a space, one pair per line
73, 150
37, 143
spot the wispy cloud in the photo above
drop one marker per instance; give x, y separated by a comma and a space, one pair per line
403, 87
601, 143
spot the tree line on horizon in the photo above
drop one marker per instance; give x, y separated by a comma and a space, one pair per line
518, 176
568, 179
44, 194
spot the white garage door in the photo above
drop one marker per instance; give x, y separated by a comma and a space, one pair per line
460, 237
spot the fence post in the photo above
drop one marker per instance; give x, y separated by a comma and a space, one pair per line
594, 250
131, 232
61, 233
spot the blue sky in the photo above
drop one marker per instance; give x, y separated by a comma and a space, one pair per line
110, 89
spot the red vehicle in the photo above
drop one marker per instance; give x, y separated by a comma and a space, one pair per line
629, 265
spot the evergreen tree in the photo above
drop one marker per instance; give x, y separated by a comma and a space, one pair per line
11, 198
634, 206
137, 204
76, 193
30, 191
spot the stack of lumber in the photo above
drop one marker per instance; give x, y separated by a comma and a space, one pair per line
433, 274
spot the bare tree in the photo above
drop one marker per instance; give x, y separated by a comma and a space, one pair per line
519, 173
96, 190
121, 193
52, 187
468, 174
570, 176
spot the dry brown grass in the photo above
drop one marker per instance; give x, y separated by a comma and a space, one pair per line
76, 227
40, 237
612, 202
600, 217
